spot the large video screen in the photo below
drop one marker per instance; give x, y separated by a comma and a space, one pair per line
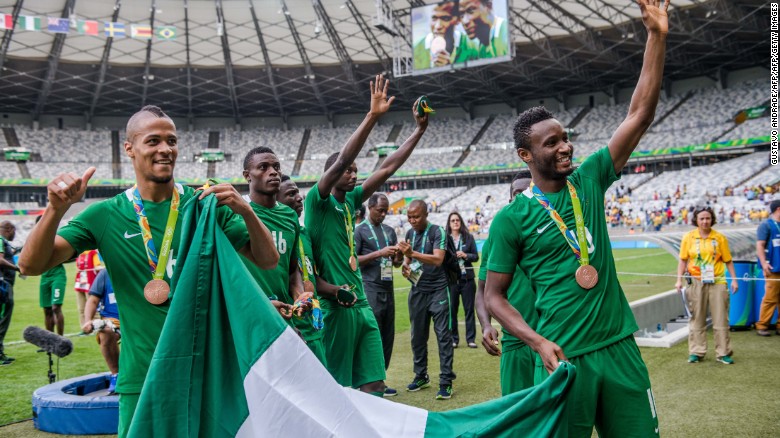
460, 33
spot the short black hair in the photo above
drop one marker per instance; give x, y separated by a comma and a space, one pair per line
331, 159
527, 119
256, 151
701, 210
374, 199
133, 120
418, 203
455, 8
523, 174
360, 211
284, 178
774, 205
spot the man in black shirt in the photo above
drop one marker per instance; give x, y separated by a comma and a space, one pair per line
8, 270
424, 249
375, 246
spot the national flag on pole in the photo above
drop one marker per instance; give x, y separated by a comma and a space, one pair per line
58, 25
87, 27
141, 31
227, 365
165, 32
28, 23
6, 21
116, 30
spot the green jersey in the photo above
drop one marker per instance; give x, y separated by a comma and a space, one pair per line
578, 320
462, 51
282, 222
520, 295
304, 325
111, 226
327, 221
499, 39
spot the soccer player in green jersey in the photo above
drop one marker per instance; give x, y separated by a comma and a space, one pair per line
51, 296
456, 48
290, 196
488, 32
127, 239
353, 345
557, 233
517, 358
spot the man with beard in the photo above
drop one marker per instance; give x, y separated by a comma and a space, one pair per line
353, 345
290, 196
517, 358
444, 45
128, 229
556, 231
488, 33
282, 285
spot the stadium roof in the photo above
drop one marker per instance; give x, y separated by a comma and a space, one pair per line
259, 58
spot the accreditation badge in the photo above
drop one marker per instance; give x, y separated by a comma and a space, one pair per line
387, 269
708, 274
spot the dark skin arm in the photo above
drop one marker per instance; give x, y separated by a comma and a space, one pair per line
386, 252
436, 259
489, 334
331, 291
497, 304
379, 105
641, 111
397, 158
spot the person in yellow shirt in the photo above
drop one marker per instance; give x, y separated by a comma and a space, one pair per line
705, 253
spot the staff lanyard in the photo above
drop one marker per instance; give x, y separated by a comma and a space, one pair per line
425, 235
156, 264
373, 234
575, 243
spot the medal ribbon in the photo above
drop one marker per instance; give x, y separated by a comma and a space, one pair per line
302, 260
581, 241
350, 230
157, 264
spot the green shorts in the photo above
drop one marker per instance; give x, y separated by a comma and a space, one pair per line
517, 369
127, 405
52, 290
612, 391
317, 346
353, 346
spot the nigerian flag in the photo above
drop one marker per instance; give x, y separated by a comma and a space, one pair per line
228, 365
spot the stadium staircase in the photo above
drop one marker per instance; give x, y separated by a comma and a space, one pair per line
211, 171
474, 140
116, 161
578, 118
392, 137
10, 137
301, 152
682, 101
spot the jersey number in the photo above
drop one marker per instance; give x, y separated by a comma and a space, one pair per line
279, 242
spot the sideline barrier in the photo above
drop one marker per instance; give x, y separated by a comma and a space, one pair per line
78, 406
741, 308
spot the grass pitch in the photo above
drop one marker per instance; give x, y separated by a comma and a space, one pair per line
706, 399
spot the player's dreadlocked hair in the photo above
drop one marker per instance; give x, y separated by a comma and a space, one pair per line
522, 129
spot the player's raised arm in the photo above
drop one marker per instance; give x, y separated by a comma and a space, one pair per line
43, 248
641, 112
397, 158
380, 103
498, 306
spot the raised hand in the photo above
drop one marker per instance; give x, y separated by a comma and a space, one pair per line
654, 15
379, 101
68, 188
422, 121
226, 194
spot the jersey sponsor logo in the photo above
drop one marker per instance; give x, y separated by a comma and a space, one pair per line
130, 236
541, 230
279, 242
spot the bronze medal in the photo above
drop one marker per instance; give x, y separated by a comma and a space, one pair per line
587, 276
308, 286
353, 263
156, 292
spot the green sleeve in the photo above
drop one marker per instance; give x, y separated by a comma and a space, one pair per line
485, 258
439, 241
356, 196
233, 226
506, 240
599, 168
84, 231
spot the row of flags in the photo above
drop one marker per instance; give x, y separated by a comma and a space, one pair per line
88, 27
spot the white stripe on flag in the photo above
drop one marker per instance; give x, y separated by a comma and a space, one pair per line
290, 393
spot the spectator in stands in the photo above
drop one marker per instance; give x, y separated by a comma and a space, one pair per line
88, 265
704, 252
377, 252
488, 32
445, 44
768, 251
429, 298
465, 288
101, 298
8, 270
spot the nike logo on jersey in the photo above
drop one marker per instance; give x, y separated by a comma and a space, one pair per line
542, 229
130, 236
442, 301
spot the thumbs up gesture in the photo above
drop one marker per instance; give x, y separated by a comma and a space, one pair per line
67, 189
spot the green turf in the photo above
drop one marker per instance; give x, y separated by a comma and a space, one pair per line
707, 399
